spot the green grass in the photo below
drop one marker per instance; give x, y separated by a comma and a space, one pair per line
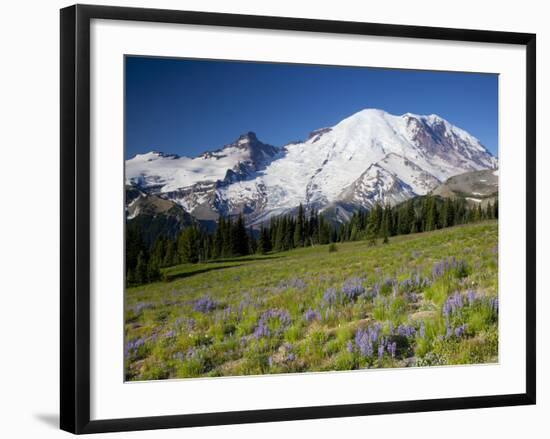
167, 337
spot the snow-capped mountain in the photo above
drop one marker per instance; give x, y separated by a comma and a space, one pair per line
370, 157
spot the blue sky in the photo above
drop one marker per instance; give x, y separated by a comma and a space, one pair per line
187, 107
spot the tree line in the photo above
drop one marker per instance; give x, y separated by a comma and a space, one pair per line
233, 239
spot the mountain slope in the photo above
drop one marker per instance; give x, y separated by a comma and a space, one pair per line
369, 157
477, 187
152, 216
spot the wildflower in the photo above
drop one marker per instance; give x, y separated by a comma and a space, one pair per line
279, 315
364, 342
406, 331
422, 331
352, 289
459, 331
381, 349
170, 334
132, 346
226, 312
392, 349
205, 305
453, 304
330, 297
375, 292
349, 346
312, 315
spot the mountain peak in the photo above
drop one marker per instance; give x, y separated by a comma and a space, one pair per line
249, 136
372, 155
368, 113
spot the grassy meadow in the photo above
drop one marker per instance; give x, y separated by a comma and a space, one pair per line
424, 299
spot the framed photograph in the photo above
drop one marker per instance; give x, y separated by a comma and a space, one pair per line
268, 218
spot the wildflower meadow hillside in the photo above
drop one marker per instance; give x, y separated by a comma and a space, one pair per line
424, 299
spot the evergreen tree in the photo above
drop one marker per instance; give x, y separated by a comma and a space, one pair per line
324, 231
289, 233
489, 211
299, 228
189, 245
264, 242
252, 242
477, 213
385, 228
217, 245
371, 233
141, 272
313, 227
227, 243
239, 238
431, 214
153, 271
279, 235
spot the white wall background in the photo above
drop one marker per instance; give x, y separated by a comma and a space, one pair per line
29, 223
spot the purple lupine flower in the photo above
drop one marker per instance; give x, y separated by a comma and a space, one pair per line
392, 349
353, 288
349, 346
312, 315
132, 346
291, 356
364, 343
406, 284
261, 331
280, 315
389, 282
375, 292
422, 330
406, 331
472, 296
374, 332
270, 361
205, 304
226, 312
453, 304
459, 331
330, 297
446, 309
381, 348
449, 331
438, 270
395, 290
191, 353
170, 334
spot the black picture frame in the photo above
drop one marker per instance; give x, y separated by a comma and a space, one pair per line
75, 217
